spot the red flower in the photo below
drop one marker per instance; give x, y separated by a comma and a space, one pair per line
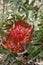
22, 23
19, 36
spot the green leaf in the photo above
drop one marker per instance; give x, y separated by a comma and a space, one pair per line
5, 1
6, 57
32, 3
3, 50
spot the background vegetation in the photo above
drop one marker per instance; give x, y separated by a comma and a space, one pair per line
32, 11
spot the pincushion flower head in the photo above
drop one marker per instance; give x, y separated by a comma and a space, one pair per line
19, 36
